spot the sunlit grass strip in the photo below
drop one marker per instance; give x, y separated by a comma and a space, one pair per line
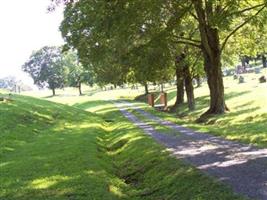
158, 127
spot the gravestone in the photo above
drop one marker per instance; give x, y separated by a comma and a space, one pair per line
262, 79
150, 99
235, 77
163, 99
257, 70
241, 79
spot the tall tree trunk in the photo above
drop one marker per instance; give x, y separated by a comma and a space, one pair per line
161, 87
189, 88
264, 61
210, 44
54, 91
80, 88
243, 61
215, 82
146, 88
179, 88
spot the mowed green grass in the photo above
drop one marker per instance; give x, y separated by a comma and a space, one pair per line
246, 122
51, 151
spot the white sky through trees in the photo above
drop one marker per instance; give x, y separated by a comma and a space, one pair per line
25, 26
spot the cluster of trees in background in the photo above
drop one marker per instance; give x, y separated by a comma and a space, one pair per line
51, 67
154, 40
12, 84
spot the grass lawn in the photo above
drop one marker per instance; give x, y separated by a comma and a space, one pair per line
54, 151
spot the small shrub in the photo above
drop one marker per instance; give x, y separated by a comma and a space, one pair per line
262, 79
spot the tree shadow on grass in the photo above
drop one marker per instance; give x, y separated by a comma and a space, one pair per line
203, 103
251, 130
51, 96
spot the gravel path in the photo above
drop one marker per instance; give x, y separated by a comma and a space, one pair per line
243, 167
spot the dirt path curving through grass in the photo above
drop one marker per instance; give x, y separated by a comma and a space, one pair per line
241, 166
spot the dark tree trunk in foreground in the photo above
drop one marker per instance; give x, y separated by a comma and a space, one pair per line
215, 79
189, 88
264, 61
54, 91
146, 88
80, 88
210, 45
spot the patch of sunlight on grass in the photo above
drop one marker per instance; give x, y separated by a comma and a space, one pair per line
107, 110
44, 183
90, 125
84, 125
128, 140
8, 149
90, 172
4, 164
115, 190
49, 117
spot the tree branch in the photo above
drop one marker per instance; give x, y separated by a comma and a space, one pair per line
239, 27
187, 43
247, 9
193, 15
187, 39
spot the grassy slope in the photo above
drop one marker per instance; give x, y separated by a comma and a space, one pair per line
53, 151
246, 121
49, 151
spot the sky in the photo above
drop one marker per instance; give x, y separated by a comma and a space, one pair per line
25, 26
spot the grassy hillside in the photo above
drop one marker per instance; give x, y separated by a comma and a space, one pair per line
49, 151
53, 151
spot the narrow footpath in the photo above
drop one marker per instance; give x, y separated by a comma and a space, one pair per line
243, 167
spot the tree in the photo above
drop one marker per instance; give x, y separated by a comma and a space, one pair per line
46, 68
9, 83
101, 47
151, 63
76, 72
251, 42
119, 27
216, 19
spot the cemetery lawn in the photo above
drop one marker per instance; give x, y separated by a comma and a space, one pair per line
247, 120
51, 151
